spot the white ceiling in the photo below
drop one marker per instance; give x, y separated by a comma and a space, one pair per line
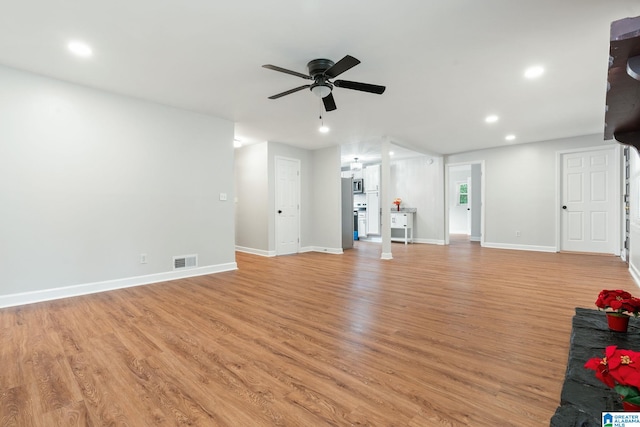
446, 64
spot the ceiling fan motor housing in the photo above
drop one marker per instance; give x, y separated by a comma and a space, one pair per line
317, 67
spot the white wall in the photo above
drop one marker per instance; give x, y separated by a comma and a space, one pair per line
252, 191
419, 182
90, 180
326, 204
521, 190
476, 203
320, 228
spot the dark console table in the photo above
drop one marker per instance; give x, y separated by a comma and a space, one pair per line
584, 397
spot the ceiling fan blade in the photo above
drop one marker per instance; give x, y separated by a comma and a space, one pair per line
280, 95
341, 66
364, 87
284, 70
329, 102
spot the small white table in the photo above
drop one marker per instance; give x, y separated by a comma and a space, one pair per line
402, 220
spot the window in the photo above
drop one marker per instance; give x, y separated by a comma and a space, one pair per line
462, 197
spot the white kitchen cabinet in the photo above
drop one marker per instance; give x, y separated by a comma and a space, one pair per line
372, 178
373, 212
357, 174
404, 221
362, 223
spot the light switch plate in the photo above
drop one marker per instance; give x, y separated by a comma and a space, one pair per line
223, 196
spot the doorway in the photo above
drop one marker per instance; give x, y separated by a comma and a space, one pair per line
287, 205
465, 201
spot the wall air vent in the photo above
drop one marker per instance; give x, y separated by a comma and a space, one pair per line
185, 261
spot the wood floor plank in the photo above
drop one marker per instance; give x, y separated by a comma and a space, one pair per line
47, 375
104, 391
16, 408
74, 415
455, 335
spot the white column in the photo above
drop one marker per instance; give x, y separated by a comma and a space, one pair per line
385, 199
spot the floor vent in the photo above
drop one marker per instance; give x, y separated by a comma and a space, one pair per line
185, 261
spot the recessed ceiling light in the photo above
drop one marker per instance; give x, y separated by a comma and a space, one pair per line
534, 72
80, 48
391, 153
491, 119
323, 129
510, 137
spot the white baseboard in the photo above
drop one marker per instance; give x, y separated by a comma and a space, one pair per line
386, 255
253, 251
635, 274
429, 241
333, 251
475, 238
415, 240
303, 249
376, 239
519, 247
109, 285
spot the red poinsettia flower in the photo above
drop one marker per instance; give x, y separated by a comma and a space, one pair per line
618, 300
602, 370
624, 365
620, 370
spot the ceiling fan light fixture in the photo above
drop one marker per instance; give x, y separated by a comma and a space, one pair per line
323, 128
321, 90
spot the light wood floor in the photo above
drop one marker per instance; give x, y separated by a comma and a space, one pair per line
438, 336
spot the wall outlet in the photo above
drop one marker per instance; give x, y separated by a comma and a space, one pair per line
223, 196
518, 233
143, 258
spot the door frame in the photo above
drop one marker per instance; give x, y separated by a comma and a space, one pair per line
616, 196
448, 201
276, 227
625, 217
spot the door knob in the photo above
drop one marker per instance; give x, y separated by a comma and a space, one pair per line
279, 211
564, 207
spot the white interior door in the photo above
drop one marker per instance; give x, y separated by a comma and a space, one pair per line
287, 193
589, 197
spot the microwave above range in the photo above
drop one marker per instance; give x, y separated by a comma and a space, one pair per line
358, 186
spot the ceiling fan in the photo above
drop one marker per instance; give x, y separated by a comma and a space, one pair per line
321, 71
